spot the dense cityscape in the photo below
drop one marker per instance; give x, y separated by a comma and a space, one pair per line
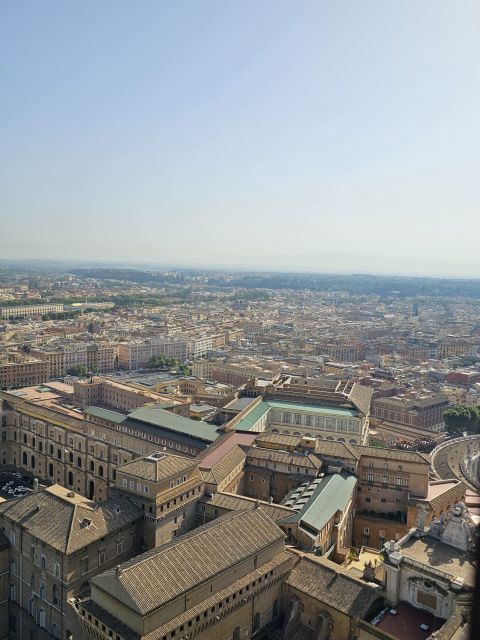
275, 455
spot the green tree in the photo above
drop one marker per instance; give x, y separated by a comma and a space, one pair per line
77, 370
462, 419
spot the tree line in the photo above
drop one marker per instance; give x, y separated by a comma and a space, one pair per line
463, 418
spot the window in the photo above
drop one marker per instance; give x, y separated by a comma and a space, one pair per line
370, 477
56, 569
84, 566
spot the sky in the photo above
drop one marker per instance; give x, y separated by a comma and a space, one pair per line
325, 135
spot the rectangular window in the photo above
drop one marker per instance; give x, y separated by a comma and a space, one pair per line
84, 566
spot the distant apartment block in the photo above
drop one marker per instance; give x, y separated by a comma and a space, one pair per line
30, 310
20, 370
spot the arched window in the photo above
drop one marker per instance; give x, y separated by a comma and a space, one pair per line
100, 471
236, 633
91, 490
50, 470
256, 621
40, 445
92, 465
25, 459
32, 462
70, 478
79, 462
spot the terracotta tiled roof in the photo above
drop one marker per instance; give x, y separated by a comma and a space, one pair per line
333, 585
158, 576
155, 468
224, 466
233, 502
284, 457
68, 525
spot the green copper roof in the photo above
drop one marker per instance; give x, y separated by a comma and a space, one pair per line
338, 412
331, 494
105, 414
167, 420
250, 420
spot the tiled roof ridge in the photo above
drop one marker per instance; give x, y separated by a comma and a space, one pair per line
336, 570
69, 528
157, 551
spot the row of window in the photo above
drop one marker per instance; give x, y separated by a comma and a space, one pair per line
216, 609
386, 480
318, 422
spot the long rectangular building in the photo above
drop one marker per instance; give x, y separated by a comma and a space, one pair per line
222, 580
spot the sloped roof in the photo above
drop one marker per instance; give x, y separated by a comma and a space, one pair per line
68, 525
333, 585
158, 417
224, 466
285, 457
331, 494
393, 454
156, 469
160, 575
234, 502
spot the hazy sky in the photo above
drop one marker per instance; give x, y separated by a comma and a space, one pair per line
326, 135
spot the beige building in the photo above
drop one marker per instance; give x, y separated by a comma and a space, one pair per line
58, 541
20, 370
166, 488
100, 391
391, 486
30, 310
324, 600
55, 357
223, 580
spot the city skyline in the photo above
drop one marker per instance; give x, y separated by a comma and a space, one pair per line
267, 135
